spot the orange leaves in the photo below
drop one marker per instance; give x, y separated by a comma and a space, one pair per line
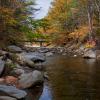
7, 16
80, 33
11, 80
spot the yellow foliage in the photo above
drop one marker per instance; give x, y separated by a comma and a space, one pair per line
80, 33
87, 45
90, 44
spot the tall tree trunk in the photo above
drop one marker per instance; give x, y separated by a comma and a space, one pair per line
97, 4
90, 19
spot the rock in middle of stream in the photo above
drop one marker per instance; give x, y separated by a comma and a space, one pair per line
12, 91
29, 79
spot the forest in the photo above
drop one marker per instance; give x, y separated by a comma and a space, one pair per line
66, 19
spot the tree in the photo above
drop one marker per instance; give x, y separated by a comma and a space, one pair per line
67, 16
13, 16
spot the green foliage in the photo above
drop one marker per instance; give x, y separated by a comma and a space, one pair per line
10, 64
13, 19
31, 36
33, 32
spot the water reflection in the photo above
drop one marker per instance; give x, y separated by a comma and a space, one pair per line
90, 61
73, 78
46, 95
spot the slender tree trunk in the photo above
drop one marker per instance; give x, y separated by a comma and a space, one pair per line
97, 4
90, 19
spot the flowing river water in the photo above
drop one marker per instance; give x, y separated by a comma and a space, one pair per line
72, 79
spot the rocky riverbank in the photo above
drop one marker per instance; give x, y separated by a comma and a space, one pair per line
75, 50
20, 71
21, 67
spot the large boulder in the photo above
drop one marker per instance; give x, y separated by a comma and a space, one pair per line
2, 66
30, 79
12, 91
14, 49
7, 98
90, 54
33, 56
23, 60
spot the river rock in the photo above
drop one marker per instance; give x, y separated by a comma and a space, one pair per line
2, 66
30, 79
90, 54
29, 62
12, 91
2, 52
15, 49
38, 58
7, 98
18, 71
11, 80
34, 56
39, 66
43, 50
49, 54
23, 60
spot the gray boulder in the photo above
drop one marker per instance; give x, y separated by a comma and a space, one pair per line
34, 56
18, 71
29, 62
7, 98
23, 60
13, 91
43, 50
49, 54
39, 66
14, 49
2, 52
30, 79
2, 66
90, 54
